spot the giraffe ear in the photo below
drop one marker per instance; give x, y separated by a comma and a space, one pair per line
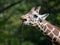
44, 16
33, 9
38, 8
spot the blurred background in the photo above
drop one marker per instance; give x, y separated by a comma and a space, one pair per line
12, 32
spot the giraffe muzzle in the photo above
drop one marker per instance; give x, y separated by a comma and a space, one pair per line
23, 19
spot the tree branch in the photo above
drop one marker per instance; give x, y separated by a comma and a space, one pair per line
10, 6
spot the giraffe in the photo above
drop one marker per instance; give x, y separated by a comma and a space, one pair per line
33, 18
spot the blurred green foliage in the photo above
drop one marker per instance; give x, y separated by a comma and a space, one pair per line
11, 30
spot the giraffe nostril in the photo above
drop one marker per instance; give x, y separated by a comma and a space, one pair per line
24, 19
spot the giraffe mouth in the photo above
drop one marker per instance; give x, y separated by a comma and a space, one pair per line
23, 20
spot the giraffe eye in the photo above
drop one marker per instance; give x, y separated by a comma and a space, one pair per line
35, 16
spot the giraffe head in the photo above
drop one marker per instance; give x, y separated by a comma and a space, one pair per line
33, 17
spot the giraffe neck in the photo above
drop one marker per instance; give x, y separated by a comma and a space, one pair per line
50, 30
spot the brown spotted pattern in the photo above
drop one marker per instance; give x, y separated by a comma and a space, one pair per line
50, 30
